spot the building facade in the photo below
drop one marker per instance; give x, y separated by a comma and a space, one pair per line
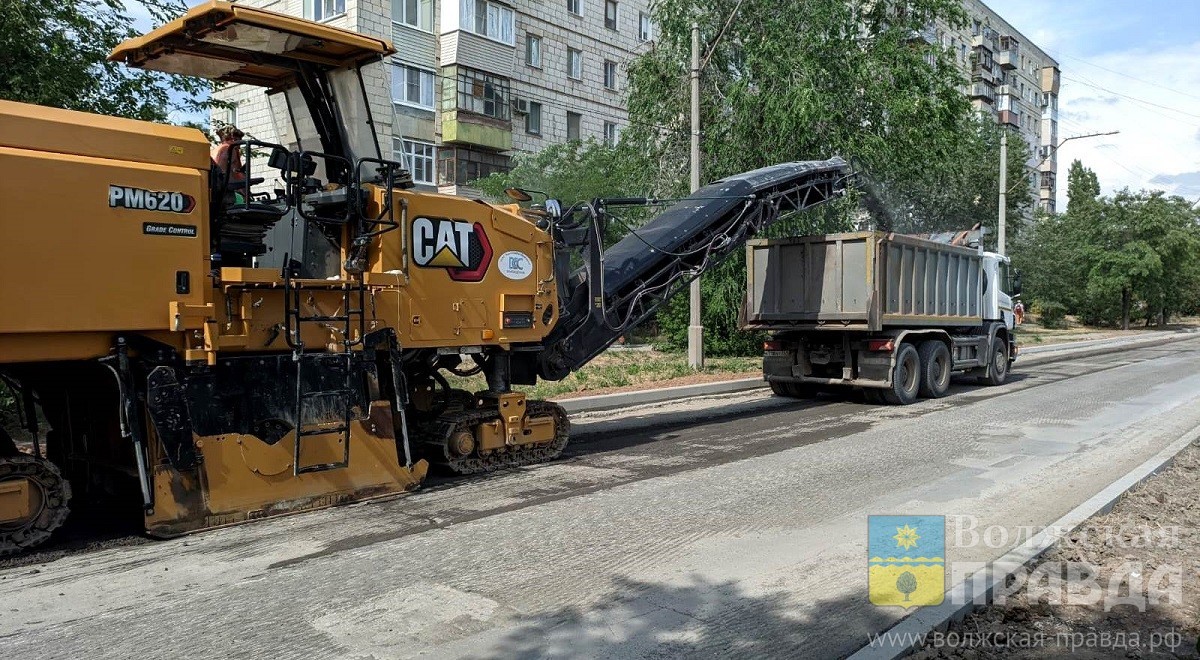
475, 81
1013, 81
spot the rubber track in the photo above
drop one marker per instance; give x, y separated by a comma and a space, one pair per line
446, 425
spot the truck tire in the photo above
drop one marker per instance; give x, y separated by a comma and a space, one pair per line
793, 390
935, 369
906, 377
997, 368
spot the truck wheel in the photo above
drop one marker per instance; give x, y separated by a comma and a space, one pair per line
906, 377
997, 369
935, 369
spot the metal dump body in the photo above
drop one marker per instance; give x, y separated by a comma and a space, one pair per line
862, 280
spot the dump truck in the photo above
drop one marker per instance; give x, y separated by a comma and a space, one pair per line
199, 348
893, 315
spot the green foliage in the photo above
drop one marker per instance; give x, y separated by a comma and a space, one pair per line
1111, 260
54, 54
1052, 315
571, 171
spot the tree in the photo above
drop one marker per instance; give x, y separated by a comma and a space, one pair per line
1109, 259
1083, 186
570, 172
789, 80
54, 54
906, 584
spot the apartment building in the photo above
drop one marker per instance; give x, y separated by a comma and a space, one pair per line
475, 81
1014, 81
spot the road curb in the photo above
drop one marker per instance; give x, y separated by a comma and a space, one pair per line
602, 402
659, 395
964, 597
1090, 351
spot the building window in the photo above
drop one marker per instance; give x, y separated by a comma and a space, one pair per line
483, 94
575, 7
574, 63
610, 14
412, 86
533, 51
462, 166
225, 117
487, 19
418, 157
610, 74
323, 10
610, 133
413, 13
644, 27
574, 119
533, 120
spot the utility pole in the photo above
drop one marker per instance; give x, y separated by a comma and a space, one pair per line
1003, 189
695, 328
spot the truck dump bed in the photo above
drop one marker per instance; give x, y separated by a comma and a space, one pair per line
863, 280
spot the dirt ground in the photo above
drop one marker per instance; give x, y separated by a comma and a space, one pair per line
1153, 531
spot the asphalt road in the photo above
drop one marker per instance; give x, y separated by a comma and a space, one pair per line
729, 526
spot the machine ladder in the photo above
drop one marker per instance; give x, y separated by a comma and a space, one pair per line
315, 395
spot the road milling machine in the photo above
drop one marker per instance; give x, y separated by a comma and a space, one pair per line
202, 349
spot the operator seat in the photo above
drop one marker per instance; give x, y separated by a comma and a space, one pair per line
240, 222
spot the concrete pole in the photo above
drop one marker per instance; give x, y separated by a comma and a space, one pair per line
695, 329
1003, 190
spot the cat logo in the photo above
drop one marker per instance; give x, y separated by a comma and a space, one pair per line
461, 247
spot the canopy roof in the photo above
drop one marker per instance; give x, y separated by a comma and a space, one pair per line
239, 44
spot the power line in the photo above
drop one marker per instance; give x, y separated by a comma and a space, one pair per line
1126, 75
1132, 98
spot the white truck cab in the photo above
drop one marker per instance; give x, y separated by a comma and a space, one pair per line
999, 289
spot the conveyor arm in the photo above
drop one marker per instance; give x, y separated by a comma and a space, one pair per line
620, 287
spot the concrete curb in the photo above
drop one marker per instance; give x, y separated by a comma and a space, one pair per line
626, 399
1118, 345
972, 592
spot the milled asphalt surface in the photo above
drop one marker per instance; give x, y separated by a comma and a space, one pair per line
727, 526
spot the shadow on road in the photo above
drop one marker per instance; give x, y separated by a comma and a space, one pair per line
694, 620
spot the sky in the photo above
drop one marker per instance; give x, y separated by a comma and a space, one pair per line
1132, 67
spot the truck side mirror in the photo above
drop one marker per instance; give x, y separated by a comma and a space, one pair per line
1016, 283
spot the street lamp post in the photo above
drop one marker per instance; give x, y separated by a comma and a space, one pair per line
1005, 190
695, 327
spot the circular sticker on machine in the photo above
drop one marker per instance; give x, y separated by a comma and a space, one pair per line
515, 265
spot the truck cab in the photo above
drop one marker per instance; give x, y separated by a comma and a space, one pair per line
1000, 286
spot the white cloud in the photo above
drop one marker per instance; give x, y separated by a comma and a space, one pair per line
1156, 143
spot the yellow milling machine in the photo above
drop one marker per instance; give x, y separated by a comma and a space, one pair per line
208, 349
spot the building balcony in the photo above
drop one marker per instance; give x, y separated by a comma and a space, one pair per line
983, 92
1008, 59
983, 42
1051, 79
465, 127
1010, 118
463, 166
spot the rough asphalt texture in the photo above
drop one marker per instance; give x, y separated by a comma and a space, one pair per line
732, 526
